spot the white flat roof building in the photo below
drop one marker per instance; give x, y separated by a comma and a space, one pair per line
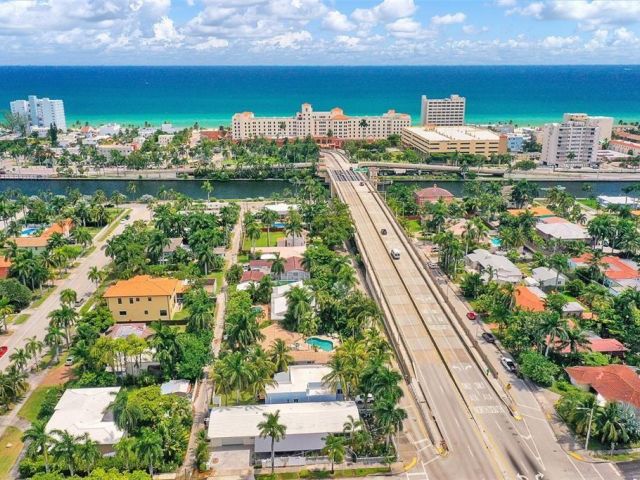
282, 209
494, 267
307, 425
84, 410
307, 122
442, 111
606, 200
605, 124
301, 383
463, 139
570, 144
562, 231
41, 112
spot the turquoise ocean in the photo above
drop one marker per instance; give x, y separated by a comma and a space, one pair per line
210, 95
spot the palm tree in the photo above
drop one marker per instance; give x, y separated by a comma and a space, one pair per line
20, 358
40, 440
81, 236
126, 415
64, 317
239, 372
334, 449
389, 418
68, 296
293, 225
64, 449
54, 338
34, 348
554, 327
272, 428
611, 424
148, 448
277, 266
207, 187
5, 309
95, 275
88, 453
576, 338
298, 305
253, 233
268, 217
125, 451
280, 356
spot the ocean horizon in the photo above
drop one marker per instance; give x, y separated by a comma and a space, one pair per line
184, 95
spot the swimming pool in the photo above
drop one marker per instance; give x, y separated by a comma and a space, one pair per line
27, 232
278, 225
496, 242
322, 344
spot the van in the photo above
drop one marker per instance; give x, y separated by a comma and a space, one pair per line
395, 253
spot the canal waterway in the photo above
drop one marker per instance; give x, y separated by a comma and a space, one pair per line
242, 189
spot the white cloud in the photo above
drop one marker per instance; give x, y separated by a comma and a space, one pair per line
556, 42
338, 22
385, 11
211, 44
292, 40
589, 13
473, 30
448, 19
165, 32
506, 3
406, 28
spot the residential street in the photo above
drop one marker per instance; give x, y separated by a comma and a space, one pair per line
77, 280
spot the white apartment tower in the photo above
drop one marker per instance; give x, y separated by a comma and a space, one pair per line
442, 112
570, 144
307, 122
605, 123
41, 112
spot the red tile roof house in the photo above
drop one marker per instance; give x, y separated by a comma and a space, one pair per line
619, 273
263, 266
612, 383
294, 271
432, 195
252, 276
5, 266
607, 346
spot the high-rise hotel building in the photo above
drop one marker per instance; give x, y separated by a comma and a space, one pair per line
40, 112
570, 144
442, 112
307, 122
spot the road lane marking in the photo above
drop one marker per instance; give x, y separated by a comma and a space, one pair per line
596, 470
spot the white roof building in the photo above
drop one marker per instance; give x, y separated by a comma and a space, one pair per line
496, 267
307, 425
176, 387
566, 231
547, 276
282, 209
606, 200
279, 300
84, 410
301, 383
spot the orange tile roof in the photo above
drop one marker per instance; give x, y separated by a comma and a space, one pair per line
144, 286
57, 228
527, 300
614, 382
614, 267
31, 242
536, 211
5, 262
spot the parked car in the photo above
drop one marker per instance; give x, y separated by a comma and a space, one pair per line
508, 364
383, 231
3, 350
360, 399
472, 315
69, 361
489, 337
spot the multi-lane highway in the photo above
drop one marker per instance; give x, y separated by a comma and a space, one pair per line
484, 440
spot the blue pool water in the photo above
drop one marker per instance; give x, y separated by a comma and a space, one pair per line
496, 242
278, 225
320, 343
27, 232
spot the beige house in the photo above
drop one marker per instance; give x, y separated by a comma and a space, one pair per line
144, 299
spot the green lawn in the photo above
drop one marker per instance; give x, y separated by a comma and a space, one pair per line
219, 276
20, 319
181, 315
412, 226
31, 407
589, 202
262, 241
10, 446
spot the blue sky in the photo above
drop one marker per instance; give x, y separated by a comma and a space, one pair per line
319, 32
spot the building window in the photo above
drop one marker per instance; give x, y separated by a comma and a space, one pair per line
119, 301
131, 300
122, 313
146, 312
149, 299
163, 313
138, 299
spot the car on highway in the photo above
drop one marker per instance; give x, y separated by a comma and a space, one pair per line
395, 253
3, 350
383, 231
508, 364
489, 337
472, 315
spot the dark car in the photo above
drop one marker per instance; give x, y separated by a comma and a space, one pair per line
383, 231
489, 337
3, 350
472, 315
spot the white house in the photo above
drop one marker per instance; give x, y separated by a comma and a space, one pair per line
493, 267
563, 232
307, 423
607, 201
279, 299
84, 410
301, 383
282, 209
546, 277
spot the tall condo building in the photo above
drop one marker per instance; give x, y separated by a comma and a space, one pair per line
333, 123
40, 112
570, 144
605, 123
443, 112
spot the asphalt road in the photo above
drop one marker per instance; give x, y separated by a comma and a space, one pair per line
77, 280
484, 440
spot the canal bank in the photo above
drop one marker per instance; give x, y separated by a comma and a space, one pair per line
243, 189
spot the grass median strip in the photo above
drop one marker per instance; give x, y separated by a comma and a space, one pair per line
114, 225
10, 446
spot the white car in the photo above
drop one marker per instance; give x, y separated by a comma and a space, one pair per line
508, 364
